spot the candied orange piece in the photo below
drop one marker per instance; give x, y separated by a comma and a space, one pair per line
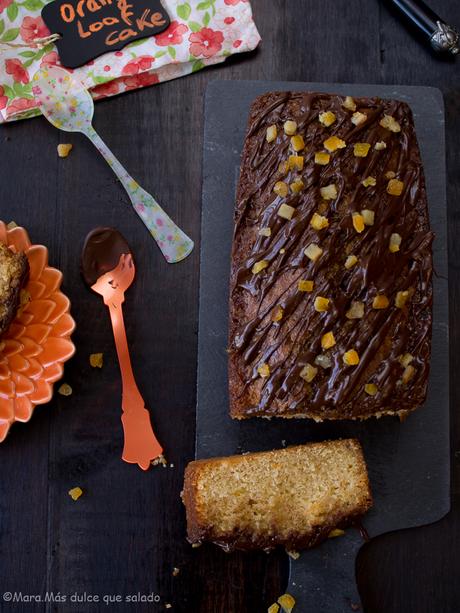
64, 150
96, 360
327, 118
272, 133
259, 266
287, 602
408, 374
390, 123
356, 310
283, 167
296, 162
358, 118
321, 304
368, 217
405, 359
401, 299
297, 186
297, 142
395, 187
349, 104
308, 373
322, 158
358, 222
333, 143
360, 150
290, 127
350, 261
371, 389
286, 211
327, 340
395, 242
264, 370
335, 533
65, 390
329, 192
351, 358
313, 252
305, 285
318, 222
380, 302
281, 189
278, 315
75, 493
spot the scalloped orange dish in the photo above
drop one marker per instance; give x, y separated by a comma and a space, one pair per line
37, 343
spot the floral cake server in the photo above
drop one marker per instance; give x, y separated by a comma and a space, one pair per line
68, 106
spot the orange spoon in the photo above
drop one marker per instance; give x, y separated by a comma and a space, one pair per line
108, 268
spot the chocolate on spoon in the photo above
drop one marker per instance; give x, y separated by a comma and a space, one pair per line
108, 268
101, 253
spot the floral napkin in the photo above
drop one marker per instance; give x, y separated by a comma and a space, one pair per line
201, 33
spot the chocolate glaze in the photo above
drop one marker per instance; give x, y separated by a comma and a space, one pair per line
381, 335
101, 253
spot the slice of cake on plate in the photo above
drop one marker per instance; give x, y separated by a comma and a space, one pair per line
14, 270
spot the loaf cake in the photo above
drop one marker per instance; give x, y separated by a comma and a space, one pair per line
14, 270
292, 497
330, 288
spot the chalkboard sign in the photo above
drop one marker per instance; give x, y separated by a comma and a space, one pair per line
89, 28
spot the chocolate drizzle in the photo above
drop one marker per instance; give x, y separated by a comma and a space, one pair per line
101, 253
381, 336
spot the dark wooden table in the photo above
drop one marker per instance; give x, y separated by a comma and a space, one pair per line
126, 534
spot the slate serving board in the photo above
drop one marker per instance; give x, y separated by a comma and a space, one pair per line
409, 463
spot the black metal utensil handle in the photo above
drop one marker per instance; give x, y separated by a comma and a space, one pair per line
323, 579
440, 35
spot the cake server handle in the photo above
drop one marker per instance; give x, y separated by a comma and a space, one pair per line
174, 244
140, 443
324, 578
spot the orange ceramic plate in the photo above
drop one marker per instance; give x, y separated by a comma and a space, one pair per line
36, 345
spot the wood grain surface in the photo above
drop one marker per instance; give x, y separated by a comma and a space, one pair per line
126, 534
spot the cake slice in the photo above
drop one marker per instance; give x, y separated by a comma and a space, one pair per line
330, 289
292, 497
14, 270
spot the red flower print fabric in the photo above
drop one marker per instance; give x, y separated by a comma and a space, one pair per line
140, 64
20, 105
3, 98
4, 4
50, 59
107, 89
17, 70
200, 34
206, 42
172, 36
33, 28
